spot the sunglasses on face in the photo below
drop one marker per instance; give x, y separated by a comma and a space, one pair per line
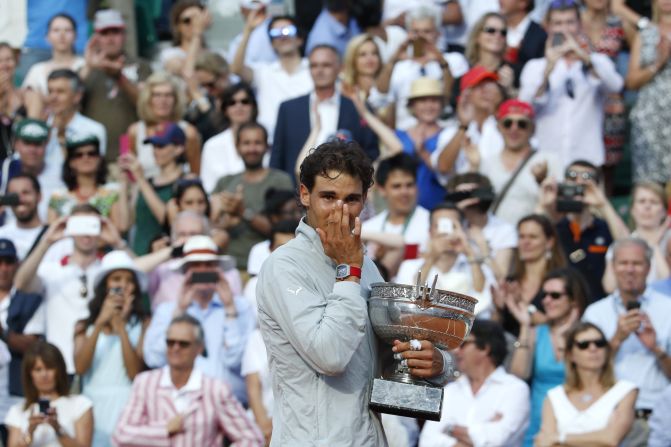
243, 101
553, 295
522, 124
285, 31
185, 20
181, 343
491, 30
584, 344
585, 175
7, 260
87, 154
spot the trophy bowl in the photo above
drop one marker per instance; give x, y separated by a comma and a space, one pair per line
405, 312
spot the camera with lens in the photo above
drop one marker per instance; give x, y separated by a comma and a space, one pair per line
566, 198
11, 199
485, 195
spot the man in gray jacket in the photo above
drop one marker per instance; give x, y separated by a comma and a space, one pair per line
312, 296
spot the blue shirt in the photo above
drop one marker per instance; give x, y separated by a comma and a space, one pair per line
225, 339
662, 286
328, 31
430, 191
39, 13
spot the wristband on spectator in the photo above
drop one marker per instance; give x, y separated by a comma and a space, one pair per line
520, 345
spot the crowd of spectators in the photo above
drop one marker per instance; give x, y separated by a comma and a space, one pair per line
139, 198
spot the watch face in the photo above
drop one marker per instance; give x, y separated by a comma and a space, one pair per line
342, 271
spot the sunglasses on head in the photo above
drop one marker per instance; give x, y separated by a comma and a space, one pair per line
491, 30
285, 31
585, 175
522, 123
559, 4
243, 101
584, 344
88, 154
181, 343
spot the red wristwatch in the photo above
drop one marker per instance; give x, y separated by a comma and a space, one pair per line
344, 271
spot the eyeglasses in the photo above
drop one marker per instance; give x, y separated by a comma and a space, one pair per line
553, 295
185, 20
208, 85
285, 31
585, 175
83, 287
171, 342
87, 154
584, 344
522, 124
243, 101
491, 30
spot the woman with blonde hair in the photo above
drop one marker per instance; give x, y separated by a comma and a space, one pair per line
649, 209
486, 47
591, 407
361, 65
161, 101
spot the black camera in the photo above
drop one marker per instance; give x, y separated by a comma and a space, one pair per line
486, 195
566, 198
11, 199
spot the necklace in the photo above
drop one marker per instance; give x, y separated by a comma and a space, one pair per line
586, 398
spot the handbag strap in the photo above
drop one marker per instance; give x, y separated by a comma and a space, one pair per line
509, 183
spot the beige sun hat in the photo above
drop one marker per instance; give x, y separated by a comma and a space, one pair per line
425, 87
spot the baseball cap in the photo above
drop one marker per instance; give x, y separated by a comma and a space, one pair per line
108, 18
515, 107
7, 249
475, 76
33, 131
172, 134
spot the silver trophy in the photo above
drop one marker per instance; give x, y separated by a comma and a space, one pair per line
405, 312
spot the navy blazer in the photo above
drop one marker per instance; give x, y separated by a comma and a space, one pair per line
293, 128
531, 47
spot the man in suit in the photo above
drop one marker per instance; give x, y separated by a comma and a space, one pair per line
178, 405
526, 38
312, 119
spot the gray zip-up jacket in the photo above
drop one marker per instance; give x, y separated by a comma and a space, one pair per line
321, 347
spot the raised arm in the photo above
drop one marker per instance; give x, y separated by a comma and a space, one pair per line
27, 272
238, 67
638, 76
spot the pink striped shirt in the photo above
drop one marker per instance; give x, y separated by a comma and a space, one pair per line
212, 412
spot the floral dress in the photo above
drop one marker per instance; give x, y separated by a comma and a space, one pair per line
651, 116
63, 200
615, 119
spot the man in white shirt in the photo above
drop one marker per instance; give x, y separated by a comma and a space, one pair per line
67, 284
278, 81
396, 77
486, 406
516, 124
401, 230
636, 321
65, 95
568, 89
27, 226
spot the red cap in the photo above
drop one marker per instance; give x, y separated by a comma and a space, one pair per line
475, 76
515, 107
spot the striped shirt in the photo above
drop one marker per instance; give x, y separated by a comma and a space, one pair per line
211, 412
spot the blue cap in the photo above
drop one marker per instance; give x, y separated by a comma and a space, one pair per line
7, 249
172, 134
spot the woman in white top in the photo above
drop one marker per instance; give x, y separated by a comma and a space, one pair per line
649, 208
61, 34
48, 416
591, 407
220, 157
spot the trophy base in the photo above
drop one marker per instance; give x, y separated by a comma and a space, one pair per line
404, 399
